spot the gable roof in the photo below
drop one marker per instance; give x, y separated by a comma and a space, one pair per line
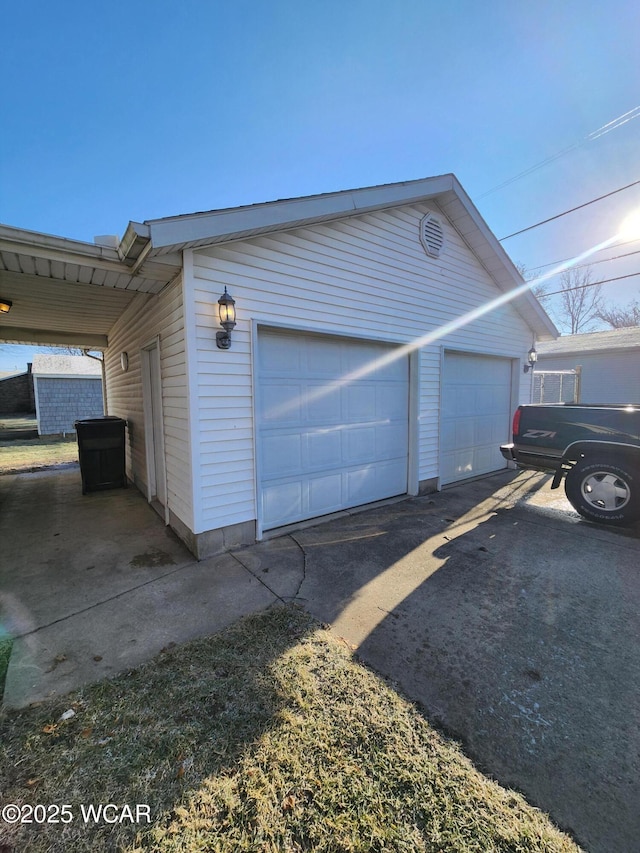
170, 235
76, 366
613, 340
70, 292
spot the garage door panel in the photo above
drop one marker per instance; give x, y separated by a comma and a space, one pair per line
361, 482
494, 432
282, 453
456, 466
455, 402
284, 404
360, 402
476, 414
361, 357
352, 442
391, 397
324, 449
321, 359
360, 444
281, 500
459, 433
325, 494
279, 354
365, 481
323, 404
391, 441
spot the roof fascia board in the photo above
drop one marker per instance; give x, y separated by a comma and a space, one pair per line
39, 337
33, 243
543, 325
234, 223
483, 228
68, 376
629, 348
135, 244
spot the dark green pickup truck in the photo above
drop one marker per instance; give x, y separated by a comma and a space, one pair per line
595, 448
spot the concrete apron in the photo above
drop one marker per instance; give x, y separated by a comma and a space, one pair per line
513, 622
93, 585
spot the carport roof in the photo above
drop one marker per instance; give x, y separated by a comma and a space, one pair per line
67, 291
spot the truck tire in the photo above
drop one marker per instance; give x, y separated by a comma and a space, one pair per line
604, 491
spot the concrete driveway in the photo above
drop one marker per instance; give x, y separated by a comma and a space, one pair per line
511, 621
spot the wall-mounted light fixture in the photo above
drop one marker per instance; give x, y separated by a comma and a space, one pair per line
227, 311
532, 357
5, 305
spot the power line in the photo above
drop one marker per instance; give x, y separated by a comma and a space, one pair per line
566, 212
590, 264
591, 284
595, 134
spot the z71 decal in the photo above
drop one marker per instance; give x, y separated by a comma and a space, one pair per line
539, 433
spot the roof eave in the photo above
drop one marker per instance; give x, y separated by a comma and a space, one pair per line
191, 231
205, 229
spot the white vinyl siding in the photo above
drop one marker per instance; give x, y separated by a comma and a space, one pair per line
367, 276
612, 377
148, 317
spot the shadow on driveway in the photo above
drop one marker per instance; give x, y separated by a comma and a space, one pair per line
512, 622
515, 624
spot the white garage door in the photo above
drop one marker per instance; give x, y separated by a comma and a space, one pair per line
476, 415
324, 443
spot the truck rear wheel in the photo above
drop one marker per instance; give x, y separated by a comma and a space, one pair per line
604, 491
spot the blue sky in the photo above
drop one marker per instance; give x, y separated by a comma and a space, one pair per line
131, 111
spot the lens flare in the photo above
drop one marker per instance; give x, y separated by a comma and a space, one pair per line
630, 228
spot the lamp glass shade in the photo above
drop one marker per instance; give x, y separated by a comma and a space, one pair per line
533, 355
227, 308
5, 306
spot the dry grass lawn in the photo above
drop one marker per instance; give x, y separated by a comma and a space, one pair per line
32, 454
268, 737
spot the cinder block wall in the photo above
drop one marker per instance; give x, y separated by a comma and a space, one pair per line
61, 402
16, 394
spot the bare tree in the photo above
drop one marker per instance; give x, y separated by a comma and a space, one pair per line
55, 350
580, 301
538, 290
579, 305
621, 317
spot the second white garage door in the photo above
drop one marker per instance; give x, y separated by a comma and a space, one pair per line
476, 415
329, 436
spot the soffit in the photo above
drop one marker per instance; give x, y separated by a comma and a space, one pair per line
69, 292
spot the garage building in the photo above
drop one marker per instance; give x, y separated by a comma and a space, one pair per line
377, 350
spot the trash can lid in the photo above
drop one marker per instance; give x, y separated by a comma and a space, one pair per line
105, 419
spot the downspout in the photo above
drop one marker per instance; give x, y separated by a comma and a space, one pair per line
104, 378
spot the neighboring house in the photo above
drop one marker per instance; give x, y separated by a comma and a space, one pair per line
66, 388
608, 362
16, 393
378, 350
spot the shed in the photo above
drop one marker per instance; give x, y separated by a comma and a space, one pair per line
16, 392
66, 388
609, 363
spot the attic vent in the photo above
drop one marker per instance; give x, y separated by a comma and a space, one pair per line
431, 235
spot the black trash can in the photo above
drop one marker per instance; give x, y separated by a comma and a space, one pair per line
101, 453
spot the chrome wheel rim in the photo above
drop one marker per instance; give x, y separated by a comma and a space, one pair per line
603, 490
